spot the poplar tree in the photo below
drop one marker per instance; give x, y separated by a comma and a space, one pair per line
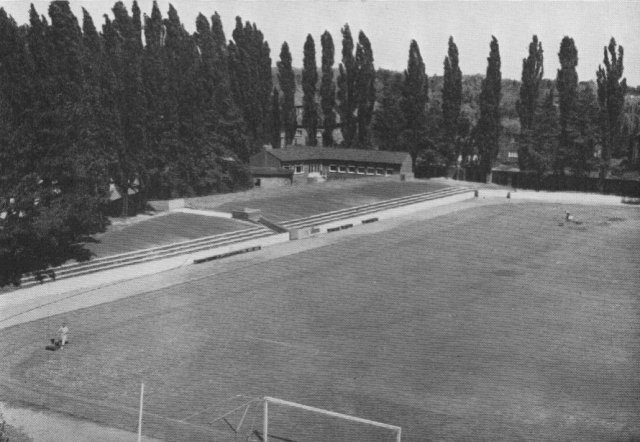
584, 132
532, 71
346, 94
415, 95
366, 94
611, 90
276, 123
451, 98
230, 124
541, 139
61, 135
161, 115
48, 200
388, 119
567, 84
288, 87
123, 47
309, 87
489, 125
250, 67
327, 90
100, 123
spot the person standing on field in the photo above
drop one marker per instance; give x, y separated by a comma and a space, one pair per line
62, 334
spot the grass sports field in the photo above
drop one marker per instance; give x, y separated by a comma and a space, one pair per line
491, 323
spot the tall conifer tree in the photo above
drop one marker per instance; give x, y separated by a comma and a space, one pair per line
276, 122
611, 90
124, 50
540, 140
288, 87
415, 95
451, 98
346, 94
309, 87
532, 71
365, 90
489, 126
328, 90
567, 84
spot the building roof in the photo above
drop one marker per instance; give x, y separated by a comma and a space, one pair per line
306, 153
270, 171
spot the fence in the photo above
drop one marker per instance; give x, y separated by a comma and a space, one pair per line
528, 180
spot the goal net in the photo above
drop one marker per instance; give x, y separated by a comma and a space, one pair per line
289, 421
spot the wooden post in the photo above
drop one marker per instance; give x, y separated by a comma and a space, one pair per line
265, 426
140, 414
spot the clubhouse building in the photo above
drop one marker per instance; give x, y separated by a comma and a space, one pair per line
298, 162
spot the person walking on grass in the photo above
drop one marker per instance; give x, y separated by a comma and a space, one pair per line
62, 334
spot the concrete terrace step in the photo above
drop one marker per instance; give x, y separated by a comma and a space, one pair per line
268, 228
373, 207
153, 253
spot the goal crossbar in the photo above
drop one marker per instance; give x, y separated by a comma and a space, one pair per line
277, 401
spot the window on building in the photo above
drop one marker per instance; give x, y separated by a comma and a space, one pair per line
361, 170
286, 166
333, 168
379, 171
512, 155
351, 169
342, 169
389, 171
371, 171
299, 168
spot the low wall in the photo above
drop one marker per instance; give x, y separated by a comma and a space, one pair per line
106, 277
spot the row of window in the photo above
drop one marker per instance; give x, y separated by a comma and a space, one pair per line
333, 168
360, 170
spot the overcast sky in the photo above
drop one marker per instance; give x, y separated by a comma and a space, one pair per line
390, 25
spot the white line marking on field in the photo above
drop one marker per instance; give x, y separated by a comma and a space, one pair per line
314, 351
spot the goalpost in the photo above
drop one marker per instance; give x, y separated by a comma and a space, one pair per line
396, 431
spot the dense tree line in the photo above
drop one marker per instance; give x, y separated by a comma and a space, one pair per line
83, 112
560, 126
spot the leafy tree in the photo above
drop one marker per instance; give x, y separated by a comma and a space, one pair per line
415, 95
288, 87
451, 98
611, 90
309, 87
567, 84
365, 91
532, 71
276, 123
489, 126
346, 95
327, 89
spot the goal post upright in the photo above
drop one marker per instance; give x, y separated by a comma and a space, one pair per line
267, 399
